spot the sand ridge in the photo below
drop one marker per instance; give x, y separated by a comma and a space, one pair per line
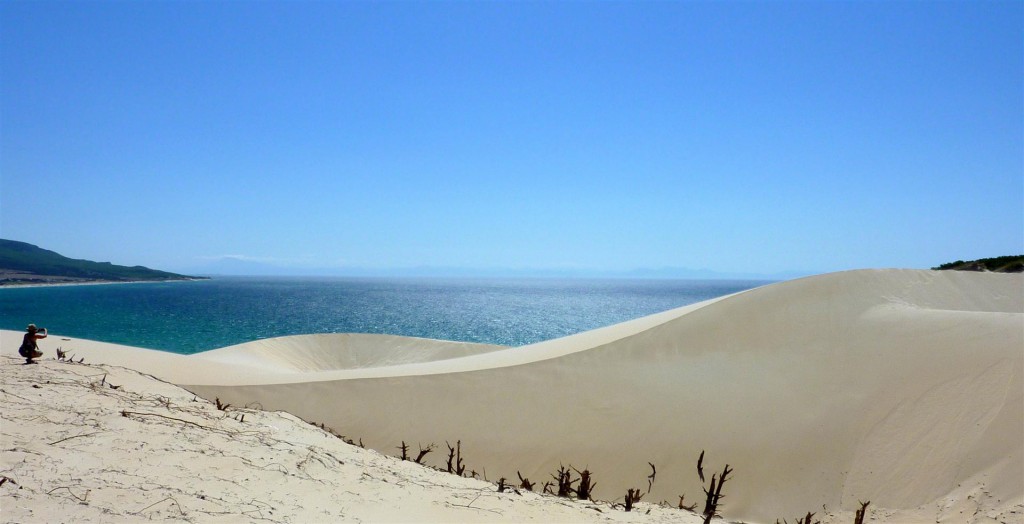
339, 351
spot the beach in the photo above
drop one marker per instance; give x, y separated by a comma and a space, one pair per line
899, 387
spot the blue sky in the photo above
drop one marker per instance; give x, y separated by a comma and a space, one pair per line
583, 136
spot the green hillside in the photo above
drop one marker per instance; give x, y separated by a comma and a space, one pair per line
23, 262
1007, 264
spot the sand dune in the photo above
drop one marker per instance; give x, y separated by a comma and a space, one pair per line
902, 387
77, 450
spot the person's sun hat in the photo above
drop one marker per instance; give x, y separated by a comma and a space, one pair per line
32, 328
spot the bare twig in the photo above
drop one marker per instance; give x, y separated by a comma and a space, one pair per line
650, 478
161, 501
189, 422
80, 499
470, 506
13, 395
75, 436
700, 468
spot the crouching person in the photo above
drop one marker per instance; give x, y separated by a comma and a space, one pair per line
29, 348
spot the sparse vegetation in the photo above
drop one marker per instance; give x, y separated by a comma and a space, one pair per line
564, 480
808, 519
1006, 264
564, 485
587, 484
632, 497
423, 453
524, 482
862, 512
455, 465
714, 494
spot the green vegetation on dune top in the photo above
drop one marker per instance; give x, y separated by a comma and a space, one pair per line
24, 258
1007, 264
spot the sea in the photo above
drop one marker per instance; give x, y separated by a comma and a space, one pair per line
193, 316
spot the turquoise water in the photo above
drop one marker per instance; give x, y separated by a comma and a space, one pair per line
188, 317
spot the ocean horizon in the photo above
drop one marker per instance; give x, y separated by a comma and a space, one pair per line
193, 316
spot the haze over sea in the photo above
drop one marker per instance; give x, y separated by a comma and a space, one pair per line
189, 317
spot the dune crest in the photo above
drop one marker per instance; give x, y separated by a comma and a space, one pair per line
337, 351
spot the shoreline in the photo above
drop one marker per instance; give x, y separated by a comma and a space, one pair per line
14, 285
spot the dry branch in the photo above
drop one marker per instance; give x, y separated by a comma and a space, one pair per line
700, 468
632, 497
807, 519
587, 485
75, 436
161, 501
80, 499
423, 452
650, 478
125, 413
524, 483
861, 513
691, 507
455, 464
714, 493
564, 480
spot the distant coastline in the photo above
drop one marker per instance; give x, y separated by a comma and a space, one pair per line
23, 264
9, 279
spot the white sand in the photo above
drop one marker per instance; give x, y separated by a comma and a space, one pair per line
76, 450
901, 387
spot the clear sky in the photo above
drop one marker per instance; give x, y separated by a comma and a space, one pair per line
745, 137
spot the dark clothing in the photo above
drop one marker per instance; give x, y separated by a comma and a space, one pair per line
29, 348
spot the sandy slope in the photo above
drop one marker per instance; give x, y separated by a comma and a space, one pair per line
901, 387
76, 450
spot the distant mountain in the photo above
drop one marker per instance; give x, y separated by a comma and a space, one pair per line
23, 263
1007, 264
236, 266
